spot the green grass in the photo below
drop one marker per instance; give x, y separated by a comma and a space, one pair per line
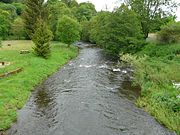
16, 89
157, 66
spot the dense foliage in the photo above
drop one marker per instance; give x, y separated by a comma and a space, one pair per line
85, 11
151, 12
6, 1
57, 11
19, 8
41, 39
17, 28
156, 69
116, 32
4, 24
170, 33
35, 9
68, 30
85, 33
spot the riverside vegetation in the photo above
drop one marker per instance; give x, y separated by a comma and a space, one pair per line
123, 31
156, 71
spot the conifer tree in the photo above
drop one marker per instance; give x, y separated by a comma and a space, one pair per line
41, 39
34, 9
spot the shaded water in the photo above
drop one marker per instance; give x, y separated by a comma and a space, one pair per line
86, 97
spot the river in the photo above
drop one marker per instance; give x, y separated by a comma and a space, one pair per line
86, 97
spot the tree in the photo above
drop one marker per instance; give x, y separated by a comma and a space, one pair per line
86, 10
57, 10
17, 28
34, 9
41, 39
6, 1
98, 23
116, 32
85, 34
11, 9
151, 12
70, 3
4, 23
19, 7
68, 30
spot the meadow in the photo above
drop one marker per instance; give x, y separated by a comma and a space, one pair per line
16, 89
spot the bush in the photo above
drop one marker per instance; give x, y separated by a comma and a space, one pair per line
170, 33
166, 52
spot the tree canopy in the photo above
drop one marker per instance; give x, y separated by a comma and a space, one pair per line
35, 9
118, 31
121, 30
4, 23
85, 10
151, 12
68, 30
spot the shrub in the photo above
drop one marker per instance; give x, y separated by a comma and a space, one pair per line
170, 33
166, 52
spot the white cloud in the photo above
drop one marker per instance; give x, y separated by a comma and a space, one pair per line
111, 4
178, 14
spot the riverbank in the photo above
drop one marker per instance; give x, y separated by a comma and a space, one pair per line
157, 72
16, 89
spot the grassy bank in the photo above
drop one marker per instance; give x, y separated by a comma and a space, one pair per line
157, 67
16, 89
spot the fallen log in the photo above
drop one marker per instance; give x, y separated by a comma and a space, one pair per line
18, 70
24, 51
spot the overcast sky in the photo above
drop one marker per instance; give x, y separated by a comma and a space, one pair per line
110, 4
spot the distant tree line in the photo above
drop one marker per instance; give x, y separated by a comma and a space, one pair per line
127, 27
123, 30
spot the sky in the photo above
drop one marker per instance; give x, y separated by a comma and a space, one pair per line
110, 4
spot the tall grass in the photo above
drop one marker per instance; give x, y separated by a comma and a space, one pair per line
156, 68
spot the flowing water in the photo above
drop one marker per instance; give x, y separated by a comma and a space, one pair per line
86, 97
